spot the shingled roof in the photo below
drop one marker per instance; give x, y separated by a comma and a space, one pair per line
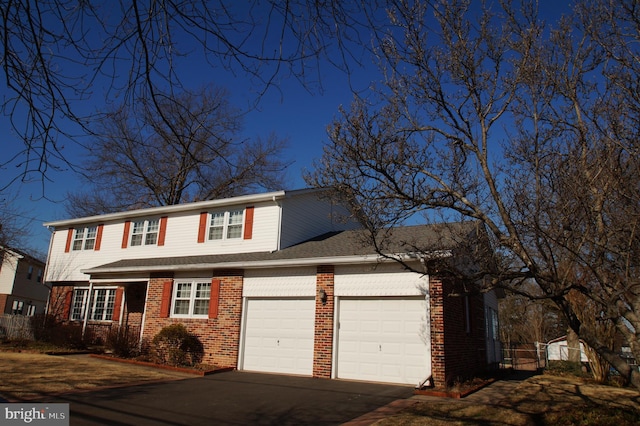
334, 245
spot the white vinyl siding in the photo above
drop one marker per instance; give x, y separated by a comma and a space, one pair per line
283, 282
182, 235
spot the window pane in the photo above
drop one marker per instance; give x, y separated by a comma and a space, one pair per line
181, 307
215, 233
99, 305
111, 301
217, 219
184, 290
235, 217
217, 226
201, 307
78, 238
151, 239
234, 231
78, 303
90, 240
203, 291
153, 225
136, 240
138, 227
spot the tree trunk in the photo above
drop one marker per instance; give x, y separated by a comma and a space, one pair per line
573, 346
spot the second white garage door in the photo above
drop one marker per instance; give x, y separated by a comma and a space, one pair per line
279, 336
384, 340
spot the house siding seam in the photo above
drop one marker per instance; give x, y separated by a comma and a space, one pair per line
324, 320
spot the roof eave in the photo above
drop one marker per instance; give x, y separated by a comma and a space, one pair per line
281, 263
243, 199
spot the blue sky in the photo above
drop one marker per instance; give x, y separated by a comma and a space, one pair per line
288, 110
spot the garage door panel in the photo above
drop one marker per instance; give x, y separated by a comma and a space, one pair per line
279, 336
383, 339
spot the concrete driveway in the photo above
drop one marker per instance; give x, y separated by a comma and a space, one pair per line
232, 398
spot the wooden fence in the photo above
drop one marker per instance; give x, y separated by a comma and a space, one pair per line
13, 327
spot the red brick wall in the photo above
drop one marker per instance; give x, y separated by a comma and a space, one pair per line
220, 336
323, 341
456, 354
3, 302
58, 302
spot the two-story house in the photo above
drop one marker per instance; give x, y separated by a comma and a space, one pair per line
275, 282
22, 290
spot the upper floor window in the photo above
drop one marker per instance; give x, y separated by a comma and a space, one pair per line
226, 225
145, 232
39, 278
30, 272
85, 238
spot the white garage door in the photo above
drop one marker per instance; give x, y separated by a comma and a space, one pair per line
384, 340
279, 336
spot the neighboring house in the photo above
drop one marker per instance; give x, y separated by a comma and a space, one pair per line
558, 350
273, 282
22, 290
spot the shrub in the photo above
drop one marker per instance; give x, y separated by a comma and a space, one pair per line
175, 345
123, 341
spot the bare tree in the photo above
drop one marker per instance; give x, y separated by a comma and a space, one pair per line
525, 321
139, 159
14, 226
58, 54
489, 114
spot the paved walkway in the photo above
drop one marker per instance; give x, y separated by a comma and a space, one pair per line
491, 394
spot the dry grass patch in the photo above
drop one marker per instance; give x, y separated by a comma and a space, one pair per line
33, 375
540, 400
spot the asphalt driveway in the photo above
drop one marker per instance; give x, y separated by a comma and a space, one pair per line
232, 398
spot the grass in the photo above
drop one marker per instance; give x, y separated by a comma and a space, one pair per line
32, 375
540, 400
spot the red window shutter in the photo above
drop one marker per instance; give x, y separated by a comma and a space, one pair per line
248, 223
202, 228
165, 304
117, 304
215, 298
96, 247
125, 235
163, 230
67, 246
66, 309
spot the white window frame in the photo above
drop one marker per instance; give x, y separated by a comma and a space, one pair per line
104, 307
195, 293
144, 232
84, 238
223, 225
